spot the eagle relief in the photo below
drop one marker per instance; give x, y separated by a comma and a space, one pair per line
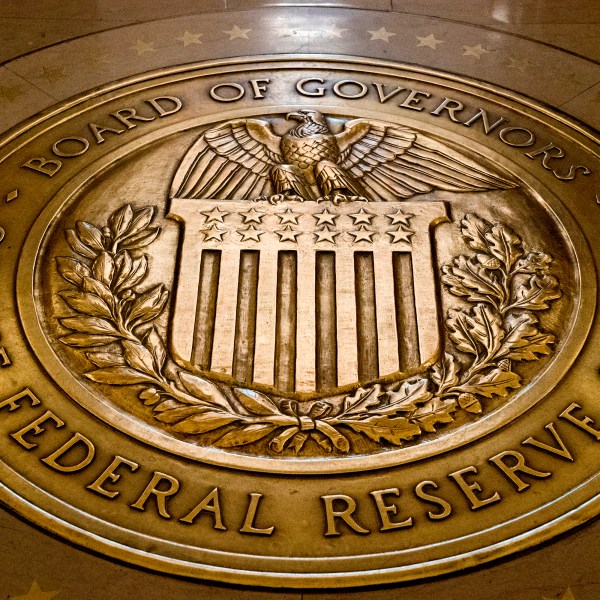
312, 310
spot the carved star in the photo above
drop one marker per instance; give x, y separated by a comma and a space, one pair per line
97, 60
214, 234
237, 33
362, 234
53, 74
400, 235
335, 31
253, 216
250, 233
189, 38
288, 217
381, 34
568, 595
11, 93
400, 217
476, 51
288, 234
326, 234
35, 593
429, 41
519, 64
142, 47
325, 217
362, 216
215, 215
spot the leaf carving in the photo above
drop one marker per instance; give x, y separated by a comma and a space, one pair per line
205, 422
86, 303
536, 293
504, 244
203, 389
255, 402
84, 340
435, 412
378, 428
89, 325
493, 383
445, 372
120, 220
468, 278
72, 270
245, 435
473, 229
523, 339
407, 398
362, 400
138, 357
90, 235
117, 376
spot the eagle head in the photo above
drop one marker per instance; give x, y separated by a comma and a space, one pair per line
312, 122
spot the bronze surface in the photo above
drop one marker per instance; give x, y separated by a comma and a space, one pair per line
334, 318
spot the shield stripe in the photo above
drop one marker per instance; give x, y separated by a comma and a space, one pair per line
306, 325
366, 329
207, 304
385, 304
346, 317
245, 326
406, 312
266, 306
326, 351
227, 294
285, 340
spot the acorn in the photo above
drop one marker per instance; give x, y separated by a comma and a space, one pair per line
504, 364
470, 403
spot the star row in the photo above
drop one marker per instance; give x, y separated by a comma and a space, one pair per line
189, 38
325, 234
361, 217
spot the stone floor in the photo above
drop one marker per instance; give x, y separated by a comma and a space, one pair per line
52, 50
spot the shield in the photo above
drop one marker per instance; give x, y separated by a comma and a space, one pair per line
305, 297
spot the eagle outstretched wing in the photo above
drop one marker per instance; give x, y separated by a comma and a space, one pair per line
394, 162
234, 158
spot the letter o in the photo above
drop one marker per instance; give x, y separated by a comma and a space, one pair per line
2, 234
78, 140
504, 137
235, 86
337, 89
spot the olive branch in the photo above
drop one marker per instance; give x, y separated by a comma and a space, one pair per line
114, 322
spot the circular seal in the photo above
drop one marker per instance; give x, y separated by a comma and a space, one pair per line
300, 322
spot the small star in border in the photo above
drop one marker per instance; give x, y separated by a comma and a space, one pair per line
213, 234
288, 234
189, 38
568, 595
429, 41
400, 235
362, 234
216, 215
289, 216
362, 216
326, 234
400, 217
335, 31
325, 217
520, 64
237, 32
97, 60
142, 47
250, 233
475, 51
53, 74
35, 593
11, 93
381, 34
